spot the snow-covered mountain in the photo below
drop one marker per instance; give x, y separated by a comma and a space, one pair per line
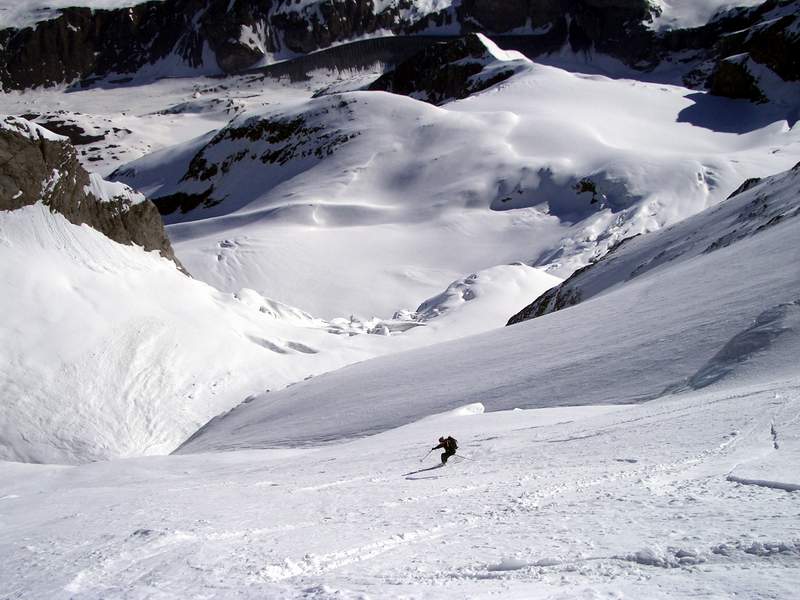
712, 299
289, 279
109, 350
526, 170
113, 42
692, 490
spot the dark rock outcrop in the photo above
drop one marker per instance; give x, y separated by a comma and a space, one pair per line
446, 71
733, 79
36, 166
764, 37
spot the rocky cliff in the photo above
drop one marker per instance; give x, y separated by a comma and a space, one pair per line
758, 49
178, 37
80, 44
37, 165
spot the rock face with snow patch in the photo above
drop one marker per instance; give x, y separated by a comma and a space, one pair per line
449, 71
39, 166
754, 49
253, 153
174, 37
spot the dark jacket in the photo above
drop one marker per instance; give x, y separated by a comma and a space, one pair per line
449, 444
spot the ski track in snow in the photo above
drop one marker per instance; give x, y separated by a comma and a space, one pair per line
525, 515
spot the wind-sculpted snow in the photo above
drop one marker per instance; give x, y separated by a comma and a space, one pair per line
642, 338
528, 170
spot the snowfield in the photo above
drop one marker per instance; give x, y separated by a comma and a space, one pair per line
692, 494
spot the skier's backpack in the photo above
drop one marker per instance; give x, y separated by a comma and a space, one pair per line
453, 443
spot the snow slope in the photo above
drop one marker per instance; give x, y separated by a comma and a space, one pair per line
680, 323
576, 502
108, 351
526, 171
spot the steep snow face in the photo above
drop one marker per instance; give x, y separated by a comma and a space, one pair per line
677, 14
526, 171
679, 324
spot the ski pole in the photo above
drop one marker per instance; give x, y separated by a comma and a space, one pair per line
426, 456
465, 457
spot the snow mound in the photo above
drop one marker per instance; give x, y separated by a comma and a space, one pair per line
470, 409
108, 351
112, 191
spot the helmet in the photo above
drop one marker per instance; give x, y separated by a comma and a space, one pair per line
441, 439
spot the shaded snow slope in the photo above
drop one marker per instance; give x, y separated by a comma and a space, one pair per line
586, 502
529, 170
632, 343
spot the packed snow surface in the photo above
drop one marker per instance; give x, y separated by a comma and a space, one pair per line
573, 502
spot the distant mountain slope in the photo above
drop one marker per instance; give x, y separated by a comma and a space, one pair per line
451, 70
171, 37
663, 331
547, 167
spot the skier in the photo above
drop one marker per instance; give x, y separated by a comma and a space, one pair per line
450, 446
